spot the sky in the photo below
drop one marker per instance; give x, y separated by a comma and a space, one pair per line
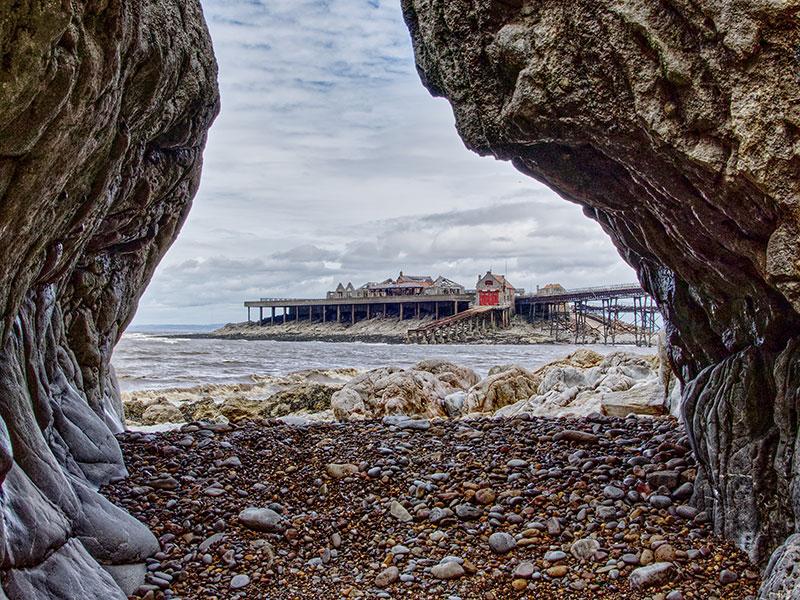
330, 162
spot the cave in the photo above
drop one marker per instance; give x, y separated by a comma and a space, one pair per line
676, 125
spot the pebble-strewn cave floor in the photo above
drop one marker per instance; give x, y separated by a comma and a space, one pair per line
623, 485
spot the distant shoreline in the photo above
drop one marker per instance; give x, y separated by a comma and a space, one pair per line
367, 339
380, 331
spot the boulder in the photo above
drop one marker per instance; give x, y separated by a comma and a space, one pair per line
457, 377
417, 392
240, 408
161, 412
306, 397
501, 389
579, 385
644, 398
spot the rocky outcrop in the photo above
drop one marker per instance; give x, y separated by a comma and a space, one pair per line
104, 109
578, 385
501, 389
268, 396
419, 391
677, 127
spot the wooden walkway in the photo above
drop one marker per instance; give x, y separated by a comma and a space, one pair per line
461, 327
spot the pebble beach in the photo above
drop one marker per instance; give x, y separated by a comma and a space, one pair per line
490, 508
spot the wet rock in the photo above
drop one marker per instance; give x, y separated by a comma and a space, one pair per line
653, 575
501, 542
261, 519
387, 577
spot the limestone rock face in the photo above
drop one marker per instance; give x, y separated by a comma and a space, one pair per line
585, 382
501, 389
677, 127
419, 391
104, 109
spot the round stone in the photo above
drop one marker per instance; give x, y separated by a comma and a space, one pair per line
447, 570
524, 570
660, 501
387, 577
584, 548
501, 542
555, 556
727, 576
557, 571
519, 584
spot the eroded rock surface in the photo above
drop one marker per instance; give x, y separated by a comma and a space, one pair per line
104, 109
585, 382
677, 127
419, 391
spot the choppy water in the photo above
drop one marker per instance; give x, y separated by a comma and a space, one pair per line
149, 360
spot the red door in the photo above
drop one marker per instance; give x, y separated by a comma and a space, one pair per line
489, 298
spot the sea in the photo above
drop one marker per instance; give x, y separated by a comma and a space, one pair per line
161, 357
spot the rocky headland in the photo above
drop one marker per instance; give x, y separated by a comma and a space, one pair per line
394, 331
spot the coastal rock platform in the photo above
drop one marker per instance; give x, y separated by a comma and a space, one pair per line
594, 507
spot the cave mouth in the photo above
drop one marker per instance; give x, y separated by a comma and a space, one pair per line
674, 129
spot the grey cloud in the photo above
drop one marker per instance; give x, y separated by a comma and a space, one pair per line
330, 162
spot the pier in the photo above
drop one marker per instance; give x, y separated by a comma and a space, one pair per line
606, 314
579, 314
352, 310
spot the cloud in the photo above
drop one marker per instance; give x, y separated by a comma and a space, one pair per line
330, 161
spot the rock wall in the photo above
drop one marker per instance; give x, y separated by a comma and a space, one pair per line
104, 108
676, 125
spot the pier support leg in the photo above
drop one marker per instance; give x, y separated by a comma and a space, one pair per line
401, 311
455, 307
367, 312
272, 321
248, 315
352, 314
436, 310
384, 309
260, 315
296, 313
338, 313
285, 310
417, 311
